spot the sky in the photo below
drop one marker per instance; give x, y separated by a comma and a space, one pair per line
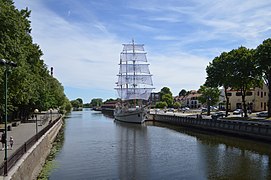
82, 40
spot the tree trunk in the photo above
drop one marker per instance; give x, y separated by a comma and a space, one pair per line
227, 101
244, 102
269, 94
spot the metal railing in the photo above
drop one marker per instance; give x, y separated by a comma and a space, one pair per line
14, 157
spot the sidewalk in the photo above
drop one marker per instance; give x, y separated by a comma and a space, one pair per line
21, 134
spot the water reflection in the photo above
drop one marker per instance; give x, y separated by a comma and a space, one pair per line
133, 150
227, 157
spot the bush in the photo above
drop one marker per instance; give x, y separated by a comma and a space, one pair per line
160, 104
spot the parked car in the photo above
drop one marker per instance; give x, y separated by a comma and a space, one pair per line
237, 111
185, 109
218, 114
262, 114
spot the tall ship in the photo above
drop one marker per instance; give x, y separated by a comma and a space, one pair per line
134, 84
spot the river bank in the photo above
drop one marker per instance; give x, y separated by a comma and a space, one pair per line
260, 130
50, 160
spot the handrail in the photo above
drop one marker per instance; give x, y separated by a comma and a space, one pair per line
14, 157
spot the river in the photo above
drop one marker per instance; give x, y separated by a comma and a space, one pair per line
97, 147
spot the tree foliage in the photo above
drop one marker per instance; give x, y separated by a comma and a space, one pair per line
96, 102
168, 99
176, 105
166, 96
182, 92
161, 104
219, 74
165, 90
263, 60
245, 73
30, 85
208, 94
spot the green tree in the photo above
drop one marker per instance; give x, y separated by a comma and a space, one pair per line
75, 103
209, 96
80, 101
165, 90
219, 74
161, 105
182, 92
29, 84
246, 74
263, 61
176, 105
96, 102
168, 99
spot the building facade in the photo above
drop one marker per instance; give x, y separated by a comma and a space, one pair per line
256, 99
190, 100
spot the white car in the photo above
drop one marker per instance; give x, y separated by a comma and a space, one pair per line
237, 111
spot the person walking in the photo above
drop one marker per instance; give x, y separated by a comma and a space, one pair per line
3, 140
11, 141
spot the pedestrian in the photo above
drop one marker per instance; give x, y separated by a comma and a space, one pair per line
11, 141
3, 140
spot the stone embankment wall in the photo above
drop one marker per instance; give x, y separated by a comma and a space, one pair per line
250, 129
30, 165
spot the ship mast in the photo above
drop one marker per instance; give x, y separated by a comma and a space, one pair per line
134, 83
134, 78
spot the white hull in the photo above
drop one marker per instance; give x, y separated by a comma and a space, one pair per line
131, 116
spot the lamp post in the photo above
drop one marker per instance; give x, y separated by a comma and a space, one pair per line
36, 111
51, 111
6, 64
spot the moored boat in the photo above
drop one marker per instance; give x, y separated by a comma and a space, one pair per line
134, 84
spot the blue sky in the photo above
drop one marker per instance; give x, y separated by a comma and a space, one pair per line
82, 39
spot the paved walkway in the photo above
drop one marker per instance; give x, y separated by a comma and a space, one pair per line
22, 133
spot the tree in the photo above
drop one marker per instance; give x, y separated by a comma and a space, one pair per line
168, 99
29, 84
176, 105
209, 96
246, 74
219, 74
161, 105
182, 92
263, 60
80, 101
96, 102
165, 90
75, 103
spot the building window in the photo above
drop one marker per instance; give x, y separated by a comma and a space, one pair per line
238, 94
261, 94
258, 93
228, 94
264, 93
261, 105
249, 93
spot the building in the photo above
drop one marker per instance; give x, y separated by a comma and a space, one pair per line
256, 99
190, 100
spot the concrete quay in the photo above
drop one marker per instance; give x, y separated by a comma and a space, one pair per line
21, 134
260, 130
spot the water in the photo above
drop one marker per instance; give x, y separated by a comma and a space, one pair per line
97, 147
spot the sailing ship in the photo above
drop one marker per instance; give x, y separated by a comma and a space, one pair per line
134, 84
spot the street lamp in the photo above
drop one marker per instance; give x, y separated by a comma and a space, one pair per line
51, 111
6, 64
36, 111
